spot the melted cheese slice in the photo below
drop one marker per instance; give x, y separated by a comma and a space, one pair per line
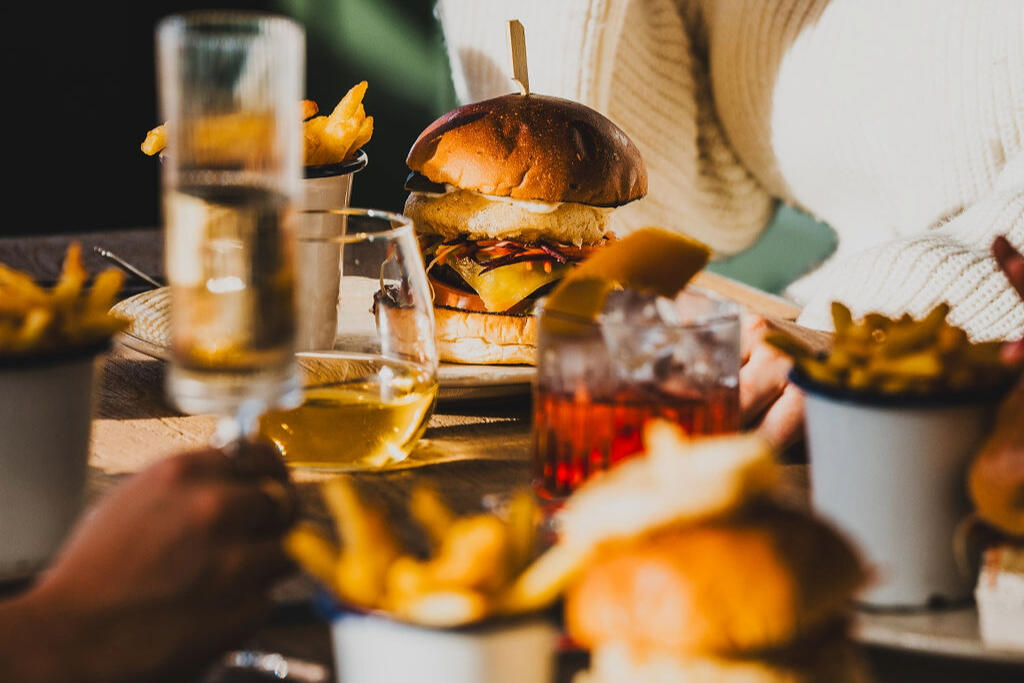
502, 288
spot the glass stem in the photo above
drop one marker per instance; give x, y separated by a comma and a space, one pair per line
241, 427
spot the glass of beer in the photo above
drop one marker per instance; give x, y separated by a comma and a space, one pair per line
645, 356
230, 84
365, 344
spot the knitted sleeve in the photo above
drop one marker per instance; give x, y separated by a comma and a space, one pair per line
637, 62
951, 263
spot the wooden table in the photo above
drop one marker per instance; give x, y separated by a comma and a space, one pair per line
134, 426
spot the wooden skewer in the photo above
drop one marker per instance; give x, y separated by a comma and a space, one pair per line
517, 55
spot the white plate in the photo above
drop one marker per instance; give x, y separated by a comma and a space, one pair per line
150, 330
945, 632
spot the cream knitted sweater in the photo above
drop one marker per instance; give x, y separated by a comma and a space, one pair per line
900, 124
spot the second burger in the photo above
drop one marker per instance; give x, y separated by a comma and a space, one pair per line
507, 195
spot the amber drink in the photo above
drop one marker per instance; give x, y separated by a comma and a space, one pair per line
645, 356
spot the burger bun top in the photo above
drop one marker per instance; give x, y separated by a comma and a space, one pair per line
532, 147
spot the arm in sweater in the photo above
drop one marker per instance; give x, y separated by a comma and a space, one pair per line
637, 62
952, 262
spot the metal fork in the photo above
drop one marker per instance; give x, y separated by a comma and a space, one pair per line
127, 267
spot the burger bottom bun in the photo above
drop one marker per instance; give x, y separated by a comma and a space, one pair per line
754, 581
485, 338
464, 213
834, 660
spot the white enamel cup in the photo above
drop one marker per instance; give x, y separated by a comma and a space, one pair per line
45, 424
889, 472
372, 648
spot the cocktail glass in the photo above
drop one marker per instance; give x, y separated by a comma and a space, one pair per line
598, 381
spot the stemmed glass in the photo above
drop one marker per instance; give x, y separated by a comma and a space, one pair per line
230, 84
365, 344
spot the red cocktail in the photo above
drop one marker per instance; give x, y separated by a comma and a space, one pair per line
596, 387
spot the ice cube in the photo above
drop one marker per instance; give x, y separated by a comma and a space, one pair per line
670, 346
640, 331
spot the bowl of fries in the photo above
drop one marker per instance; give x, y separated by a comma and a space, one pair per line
332, 146
894, 412
50, 338
456, 611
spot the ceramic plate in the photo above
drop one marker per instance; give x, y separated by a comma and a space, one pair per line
149, 333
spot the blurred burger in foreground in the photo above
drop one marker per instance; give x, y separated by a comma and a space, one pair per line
507, 194
687, 565
762, 595
995, 482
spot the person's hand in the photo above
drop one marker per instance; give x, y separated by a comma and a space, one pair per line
169, 570
1012, 264
768, 402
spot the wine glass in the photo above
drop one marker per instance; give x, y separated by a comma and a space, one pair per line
365, 344
230, 84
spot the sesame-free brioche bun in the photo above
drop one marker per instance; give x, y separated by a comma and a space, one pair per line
532, 147
485, 338
734, 585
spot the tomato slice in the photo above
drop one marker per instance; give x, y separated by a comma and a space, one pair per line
464, 300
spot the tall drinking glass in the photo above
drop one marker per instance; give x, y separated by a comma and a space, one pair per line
230, 84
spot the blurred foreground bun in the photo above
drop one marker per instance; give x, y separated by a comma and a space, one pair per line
995, 477
749, 583
832, 659
480, 337
532, 147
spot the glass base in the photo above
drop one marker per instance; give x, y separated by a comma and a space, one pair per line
231, 394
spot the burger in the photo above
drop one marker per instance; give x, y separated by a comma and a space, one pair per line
993, 544
697, 568
507, 194
762, 596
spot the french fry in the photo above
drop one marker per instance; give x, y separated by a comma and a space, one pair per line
33, 327
407, 578
543, 580
473, 554
842, 319
349, 103
368, 547
900, 355
907, 335
104, 290
327, 139
444, 608
17, 285
313, 131
363, 136
314, 551
522, 529
72, 277
156, 140
32, 318
309, 109
338, 136
430, 512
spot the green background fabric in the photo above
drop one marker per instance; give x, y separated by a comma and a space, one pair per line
791, 245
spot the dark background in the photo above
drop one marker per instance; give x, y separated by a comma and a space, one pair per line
80, 95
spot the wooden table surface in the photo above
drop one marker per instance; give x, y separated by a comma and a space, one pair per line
488, 441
